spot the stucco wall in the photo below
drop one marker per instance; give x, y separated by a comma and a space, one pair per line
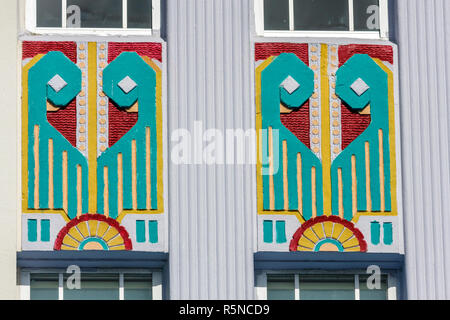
9, 146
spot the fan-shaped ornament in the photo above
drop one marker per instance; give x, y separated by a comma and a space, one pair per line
93, 232
328, 234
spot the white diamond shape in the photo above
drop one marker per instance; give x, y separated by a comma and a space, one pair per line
57, 83
290, 85
127, 84
360, 87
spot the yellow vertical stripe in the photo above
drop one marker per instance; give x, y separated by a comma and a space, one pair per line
341, 194
133, 175
36, 166
92, 126
299, 183
368, 190
354, 187
106, 191
79, 191
285, 177
148, 176
65, 182
119, 183
325, 131
51, 197
313, 192
271, 182
381, 169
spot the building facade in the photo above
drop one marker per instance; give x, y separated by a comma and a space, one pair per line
225, 149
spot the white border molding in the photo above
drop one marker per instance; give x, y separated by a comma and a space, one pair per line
392, 287
351, 15
156, 285
63, 14
384, 19
259, 17
125, 14
296, 286
121, 287
61, 286
261, 286
24, 286
30, 15
291, 16
357, 290
156, 15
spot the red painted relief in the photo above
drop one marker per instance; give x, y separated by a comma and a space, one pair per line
384, 53
120, 122
151, 50
33, 48
65, 121
298, 123
266, 50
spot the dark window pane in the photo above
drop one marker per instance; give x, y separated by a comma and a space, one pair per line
44, 286
367, 15
140, 14
96, 14
48, 13
276, 14
321, 15
94, 287
372, 294
137, 287
327, 287
280, 287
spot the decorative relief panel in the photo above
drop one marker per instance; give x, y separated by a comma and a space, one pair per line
327, 170
92, 146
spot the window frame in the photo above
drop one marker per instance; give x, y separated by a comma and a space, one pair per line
25, 277
261, 281
383, 34
30, 22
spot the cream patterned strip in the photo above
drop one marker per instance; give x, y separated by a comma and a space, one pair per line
315, 119
82, 98
335, 104
102, 100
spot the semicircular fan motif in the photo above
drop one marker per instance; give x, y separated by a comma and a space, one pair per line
328, 234
93, 232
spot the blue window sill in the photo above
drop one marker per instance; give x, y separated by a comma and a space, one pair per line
92, 259
326, 260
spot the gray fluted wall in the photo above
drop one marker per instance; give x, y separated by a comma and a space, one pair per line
424, 45
211, 206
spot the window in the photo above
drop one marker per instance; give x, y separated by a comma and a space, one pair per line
104, 285
343, 18
324, 286
99, 16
